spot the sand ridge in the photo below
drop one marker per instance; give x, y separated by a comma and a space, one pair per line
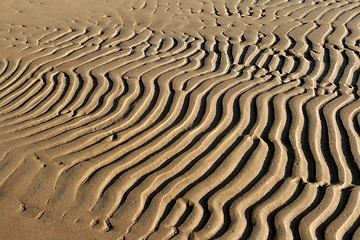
182, 119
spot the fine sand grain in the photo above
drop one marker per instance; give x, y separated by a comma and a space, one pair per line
179, 119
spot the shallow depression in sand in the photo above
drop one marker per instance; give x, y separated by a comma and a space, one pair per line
161, 119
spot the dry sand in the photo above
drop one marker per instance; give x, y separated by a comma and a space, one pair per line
179, 119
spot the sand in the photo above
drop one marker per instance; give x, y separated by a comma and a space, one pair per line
179, 119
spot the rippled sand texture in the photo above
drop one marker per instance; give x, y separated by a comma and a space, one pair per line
177, 119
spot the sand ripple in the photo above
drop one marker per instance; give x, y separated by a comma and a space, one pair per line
236, 120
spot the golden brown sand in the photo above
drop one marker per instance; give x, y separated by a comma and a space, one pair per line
179, 119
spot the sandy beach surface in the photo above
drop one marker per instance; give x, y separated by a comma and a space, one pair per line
179, 119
